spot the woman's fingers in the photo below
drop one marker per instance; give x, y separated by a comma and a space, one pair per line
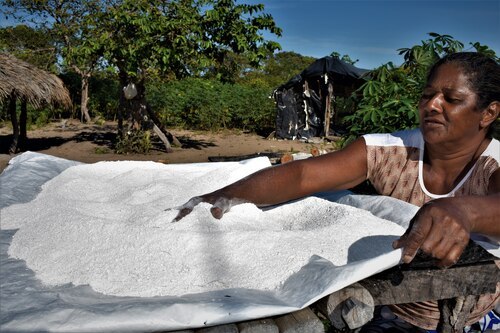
186, 209
182, 213
220, 207
446, 254
413, 238
438, 231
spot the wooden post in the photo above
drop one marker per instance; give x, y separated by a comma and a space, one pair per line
300, 322
15, 125
454, 313
328, 110
23, 117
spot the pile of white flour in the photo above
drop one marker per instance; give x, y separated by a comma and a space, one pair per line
105, 225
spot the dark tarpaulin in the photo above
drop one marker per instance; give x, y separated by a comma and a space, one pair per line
302, 101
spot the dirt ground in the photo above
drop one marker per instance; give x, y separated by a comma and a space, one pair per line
91, 143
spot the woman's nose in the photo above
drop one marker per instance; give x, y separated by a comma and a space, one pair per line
434, 103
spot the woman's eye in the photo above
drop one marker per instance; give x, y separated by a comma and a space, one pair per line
452, 100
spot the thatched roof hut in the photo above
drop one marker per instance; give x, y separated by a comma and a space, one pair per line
31, 84
22, 81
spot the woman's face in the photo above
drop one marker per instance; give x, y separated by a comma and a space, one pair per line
447, 107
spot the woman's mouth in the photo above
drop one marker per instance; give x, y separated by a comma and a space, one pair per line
433, 122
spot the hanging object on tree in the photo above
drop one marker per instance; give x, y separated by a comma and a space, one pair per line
130, 91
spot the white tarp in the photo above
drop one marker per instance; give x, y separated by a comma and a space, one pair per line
29, 305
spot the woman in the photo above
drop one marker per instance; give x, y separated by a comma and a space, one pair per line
449, 167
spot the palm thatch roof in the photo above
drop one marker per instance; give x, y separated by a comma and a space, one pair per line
30, 83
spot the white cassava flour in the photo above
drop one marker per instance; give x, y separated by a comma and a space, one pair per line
105, 225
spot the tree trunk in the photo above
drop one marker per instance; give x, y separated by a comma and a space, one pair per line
139, 113
15, 125
122, 107
22, 124
85, 98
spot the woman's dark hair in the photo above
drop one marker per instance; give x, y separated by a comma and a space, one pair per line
483, 74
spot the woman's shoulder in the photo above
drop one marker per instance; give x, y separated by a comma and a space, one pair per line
493, 150
406, 138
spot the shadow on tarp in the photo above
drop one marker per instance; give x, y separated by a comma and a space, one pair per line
29, 306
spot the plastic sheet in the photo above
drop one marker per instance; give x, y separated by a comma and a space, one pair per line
27, 305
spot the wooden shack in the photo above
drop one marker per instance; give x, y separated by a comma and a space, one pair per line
304, 103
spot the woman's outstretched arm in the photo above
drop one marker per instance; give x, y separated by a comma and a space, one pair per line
338, 170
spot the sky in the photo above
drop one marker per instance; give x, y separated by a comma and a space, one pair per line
373, 30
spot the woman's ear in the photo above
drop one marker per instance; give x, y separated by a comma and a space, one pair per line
490, 114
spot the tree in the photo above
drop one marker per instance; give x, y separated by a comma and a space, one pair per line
179, 39
345, 58
277, 69
29, 44
71, 23
387, 102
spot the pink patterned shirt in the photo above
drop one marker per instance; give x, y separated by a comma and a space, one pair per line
395, 164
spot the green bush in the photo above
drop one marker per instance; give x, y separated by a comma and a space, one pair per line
390, 97
134, 142
35, 117
211, 105
388, 102
104, 93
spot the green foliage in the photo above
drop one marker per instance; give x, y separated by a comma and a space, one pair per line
34, 117
388, 101
212, 105
276, 69
104, 91
72, 27
69, 23
34, 46
134, 142
345, 57
182, 38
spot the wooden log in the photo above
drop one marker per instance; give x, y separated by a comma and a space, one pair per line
396, 286
228, 328
454, 313
258, 326
163, 138
273, 157
300, 322
286, 158
348, 308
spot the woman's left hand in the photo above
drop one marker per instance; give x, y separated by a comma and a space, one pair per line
440, 229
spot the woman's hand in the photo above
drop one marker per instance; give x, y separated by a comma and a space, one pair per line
220, 205
441, 228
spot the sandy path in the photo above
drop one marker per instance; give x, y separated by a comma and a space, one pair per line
91, 143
